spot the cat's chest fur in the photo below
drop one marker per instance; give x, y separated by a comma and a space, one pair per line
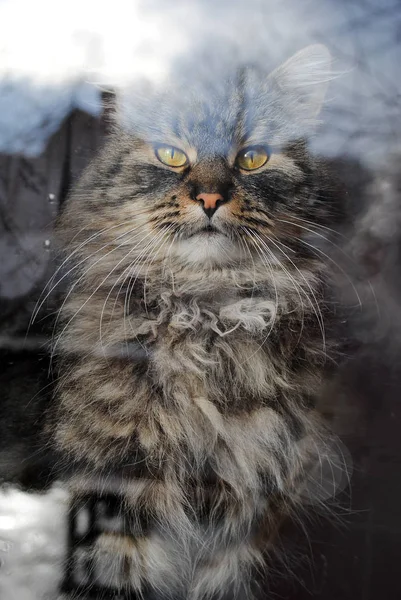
215, 341
177, 317
224, 353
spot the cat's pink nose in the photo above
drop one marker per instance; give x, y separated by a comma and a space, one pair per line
211, 202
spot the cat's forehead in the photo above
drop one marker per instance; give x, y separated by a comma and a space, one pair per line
207, 118
212, 125
214, 120
245, 106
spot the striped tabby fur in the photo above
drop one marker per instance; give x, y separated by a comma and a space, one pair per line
209, 435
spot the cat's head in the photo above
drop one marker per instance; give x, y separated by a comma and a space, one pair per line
219, 174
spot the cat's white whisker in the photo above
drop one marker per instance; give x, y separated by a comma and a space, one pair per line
40, 302
93, 265
339, 267
273, 281
127, 270
315, 304
92, 294
77, 265
322, 237
296, 285
151, 245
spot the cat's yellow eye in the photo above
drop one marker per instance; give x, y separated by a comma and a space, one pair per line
170, 156
252, 158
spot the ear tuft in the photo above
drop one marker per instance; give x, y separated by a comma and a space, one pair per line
304, 79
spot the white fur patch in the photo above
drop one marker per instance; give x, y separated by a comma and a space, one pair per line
206, 250
254, 315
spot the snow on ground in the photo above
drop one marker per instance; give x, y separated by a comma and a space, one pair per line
32, 543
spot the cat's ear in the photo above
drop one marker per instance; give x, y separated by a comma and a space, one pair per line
303, 80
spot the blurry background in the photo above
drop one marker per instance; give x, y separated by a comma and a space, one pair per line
60, 63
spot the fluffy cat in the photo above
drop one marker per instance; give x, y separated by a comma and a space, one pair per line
192, 342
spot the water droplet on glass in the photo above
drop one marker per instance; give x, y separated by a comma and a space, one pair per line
5, 546
47, 244
52, 198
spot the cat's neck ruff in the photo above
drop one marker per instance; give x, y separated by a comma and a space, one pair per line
243, 279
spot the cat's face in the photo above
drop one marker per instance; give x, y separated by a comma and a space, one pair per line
210, 202
220, 179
